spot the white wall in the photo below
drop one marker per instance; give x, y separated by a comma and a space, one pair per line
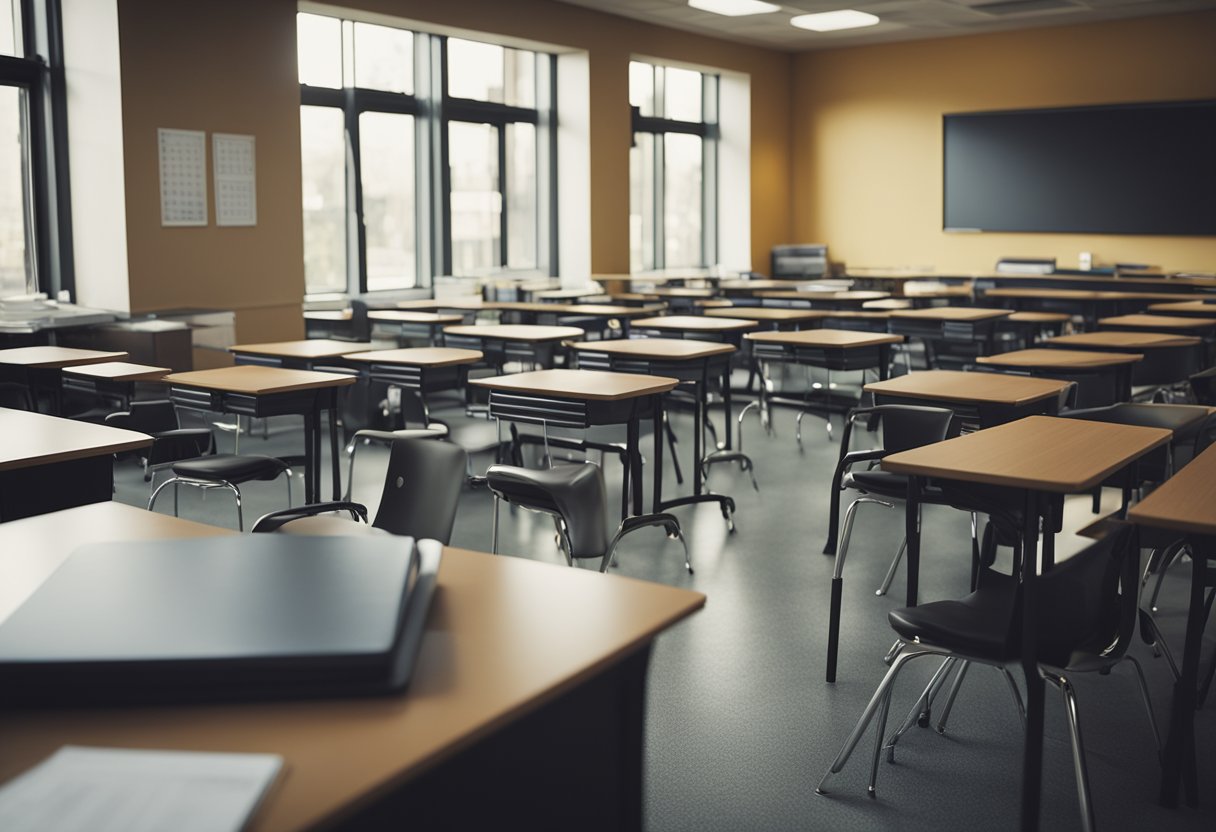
734, 172
95, 153
574, 169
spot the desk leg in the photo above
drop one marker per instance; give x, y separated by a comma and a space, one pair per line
1032, 759
1180, 742
656, 496
634, 483
311, 455
884, 363
335, 472
698, 431
912, 530
726, 403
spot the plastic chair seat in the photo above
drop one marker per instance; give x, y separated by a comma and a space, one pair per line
977, 625
233, 468
329, 526
576, 492
880, 483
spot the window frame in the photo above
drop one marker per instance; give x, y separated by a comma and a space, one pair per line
710, 134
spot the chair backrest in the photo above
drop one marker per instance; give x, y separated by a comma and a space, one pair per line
170, 443
1203, 385
153, 416
910, 426
422, 489
575, 493
360, 324
1087, 604
16, 396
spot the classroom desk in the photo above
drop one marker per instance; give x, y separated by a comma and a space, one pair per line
512, 342
414, 324
568, 314
829, 349
1186, 504
1040, 459
702, 327
48, 463
847, 299
864, 320
581, 399
691, 362
1172, 324
1168, 359
41, 368
952, 332
296, 355
748, 288
1093, 371
1186, 308
777, 318
516, 656
978, 399
111, 378
420, 370
252, 390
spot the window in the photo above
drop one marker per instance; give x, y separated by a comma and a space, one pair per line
672, 167
35, 243
422, 155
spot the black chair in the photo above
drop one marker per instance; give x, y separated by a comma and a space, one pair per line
904, 427
1190, 424
421, 492
226, 471
170, 443
1087, 617
1203, 387
575, 497
1162, 371
385, 437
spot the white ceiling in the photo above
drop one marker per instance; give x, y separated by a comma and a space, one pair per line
901, 19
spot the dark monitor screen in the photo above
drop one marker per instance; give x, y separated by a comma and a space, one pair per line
1128, 169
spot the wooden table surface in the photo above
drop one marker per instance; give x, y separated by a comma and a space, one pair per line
1153, 322
767, 313
491, 654
1186, 502
255, 380
1040, 453
835, 338
863, 314
418, 356
952, 313
1124, 340
118, 371
681, 292
1185, 306
52, 358
608, 310
405, 316
979, 388
589, 385
304, 349
31, 439
468, 304
671, 349
1059, 359
844, 295
888, 304
696, 323
1039, 317
517, 332
337, 315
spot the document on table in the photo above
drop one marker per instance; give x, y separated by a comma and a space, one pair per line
129, 790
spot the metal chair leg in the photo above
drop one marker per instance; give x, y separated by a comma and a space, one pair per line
1078, 749
920, 712
1015, 693
879, 732
494, 528
950, 697
1148, 703
890, 576
842, 550
240, 515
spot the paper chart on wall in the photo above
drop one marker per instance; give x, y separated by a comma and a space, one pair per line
235, 179
183, 176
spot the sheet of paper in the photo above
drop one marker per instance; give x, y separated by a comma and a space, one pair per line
183, 176
235, 179
129, 790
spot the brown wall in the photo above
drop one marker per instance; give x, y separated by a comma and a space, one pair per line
867, 126
230, 66
220, 66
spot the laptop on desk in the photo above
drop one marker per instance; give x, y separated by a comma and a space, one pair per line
221, 618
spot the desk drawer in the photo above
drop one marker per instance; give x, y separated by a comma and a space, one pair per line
539, 410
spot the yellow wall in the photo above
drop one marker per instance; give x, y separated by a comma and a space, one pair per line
230, 66
867, 127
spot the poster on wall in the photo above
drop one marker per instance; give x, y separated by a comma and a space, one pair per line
235, 179
183, 177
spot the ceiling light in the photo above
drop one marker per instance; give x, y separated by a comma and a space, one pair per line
734, 8
834, 21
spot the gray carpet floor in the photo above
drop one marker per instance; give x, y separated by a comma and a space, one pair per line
741, 725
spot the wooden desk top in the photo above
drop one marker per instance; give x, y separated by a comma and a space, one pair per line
937, 291
767, 313
713, 303
402, 316
1057, 294
1186, 502
1040, 453
490, 655
1039, 317
1185, 306
952, 313
306, 349
254, 380
668, 349
118, 371
588, 385
1152, 322
635, 297
607, 310
871, 314
468, 304
974, 388
31, 439
831, 338
327, 315
52, 358
517, 332
888, 304
1125, 340
761, 285
696, 323
1059, 359
681, 292
418, 357
846, 295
